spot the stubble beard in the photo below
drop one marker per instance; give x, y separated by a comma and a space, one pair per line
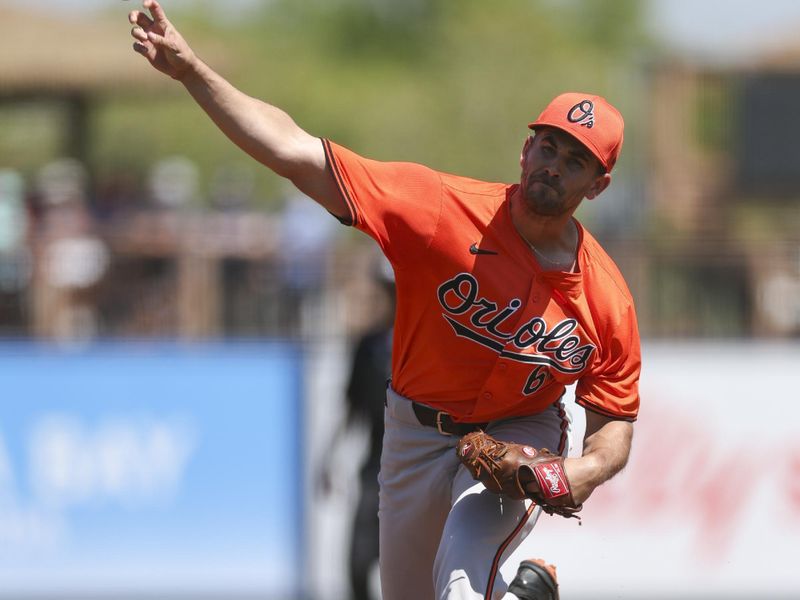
542, 199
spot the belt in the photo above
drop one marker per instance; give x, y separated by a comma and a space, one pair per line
443, 422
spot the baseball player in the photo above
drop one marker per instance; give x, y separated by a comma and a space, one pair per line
503, 299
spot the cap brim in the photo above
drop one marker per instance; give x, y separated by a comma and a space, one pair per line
585, 142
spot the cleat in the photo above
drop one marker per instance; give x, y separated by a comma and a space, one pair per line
535, 580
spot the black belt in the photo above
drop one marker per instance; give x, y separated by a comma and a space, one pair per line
443, 422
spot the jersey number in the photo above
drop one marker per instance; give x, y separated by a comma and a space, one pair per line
535, 380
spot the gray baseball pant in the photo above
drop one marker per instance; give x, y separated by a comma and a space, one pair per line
442, 534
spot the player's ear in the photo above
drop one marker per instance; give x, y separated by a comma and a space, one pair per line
601, 182
526, 145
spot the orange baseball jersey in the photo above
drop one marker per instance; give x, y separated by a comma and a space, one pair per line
481, 330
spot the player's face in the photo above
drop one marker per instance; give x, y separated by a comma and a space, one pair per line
558, 172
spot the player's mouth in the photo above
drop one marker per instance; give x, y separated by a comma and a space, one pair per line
545, 183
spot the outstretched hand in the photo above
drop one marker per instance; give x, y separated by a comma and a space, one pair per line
159, 42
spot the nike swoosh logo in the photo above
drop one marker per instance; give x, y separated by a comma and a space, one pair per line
475, 250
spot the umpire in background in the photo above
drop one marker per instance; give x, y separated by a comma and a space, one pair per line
370, 369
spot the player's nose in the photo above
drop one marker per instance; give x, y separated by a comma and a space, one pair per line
552, 171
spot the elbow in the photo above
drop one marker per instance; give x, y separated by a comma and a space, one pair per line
298, 156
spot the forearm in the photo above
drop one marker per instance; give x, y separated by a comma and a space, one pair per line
264, 131
605, 453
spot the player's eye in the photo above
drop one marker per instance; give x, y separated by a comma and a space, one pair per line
575, 164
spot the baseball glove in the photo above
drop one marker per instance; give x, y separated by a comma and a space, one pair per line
518, 471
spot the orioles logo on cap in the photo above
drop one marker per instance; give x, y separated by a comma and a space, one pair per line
582, 114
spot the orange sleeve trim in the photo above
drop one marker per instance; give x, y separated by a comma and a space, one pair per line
581, 401
337, 175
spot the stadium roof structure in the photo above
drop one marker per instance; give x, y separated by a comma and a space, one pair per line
54, 54
76, 61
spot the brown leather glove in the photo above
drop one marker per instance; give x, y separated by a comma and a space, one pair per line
518, 471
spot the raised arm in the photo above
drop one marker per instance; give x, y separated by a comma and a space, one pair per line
606, 447
264, 131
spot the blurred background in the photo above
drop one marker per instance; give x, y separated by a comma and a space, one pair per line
180, 410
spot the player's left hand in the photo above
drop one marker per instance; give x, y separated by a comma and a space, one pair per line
518, 471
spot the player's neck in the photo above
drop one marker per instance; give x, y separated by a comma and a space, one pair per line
550, 236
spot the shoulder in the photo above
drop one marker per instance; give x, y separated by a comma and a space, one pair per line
602, 278
473, 198
458, 184
341, 155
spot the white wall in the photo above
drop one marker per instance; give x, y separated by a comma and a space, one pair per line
708, 507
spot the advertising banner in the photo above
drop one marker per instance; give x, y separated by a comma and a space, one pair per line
709, 504
138, 469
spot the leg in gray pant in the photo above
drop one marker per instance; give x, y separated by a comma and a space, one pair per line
442, 534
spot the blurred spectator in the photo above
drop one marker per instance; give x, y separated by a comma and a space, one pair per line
174, 182
779, 301
117, 195
72, 258
306, 237
13, 218
233, 188
15, 261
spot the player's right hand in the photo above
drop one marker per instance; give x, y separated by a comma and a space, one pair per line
159, 42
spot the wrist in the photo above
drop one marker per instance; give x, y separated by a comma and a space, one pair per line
191, 71
583, 469
584, 473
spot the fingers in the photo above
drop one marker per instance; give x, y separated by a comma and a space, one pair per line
139, 34
145, 49
147, 39
159, 19
137, 17
159, 40
141, 23
158, 13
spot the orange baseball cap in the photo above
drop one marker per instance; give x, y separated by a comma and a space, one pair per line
591, 119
